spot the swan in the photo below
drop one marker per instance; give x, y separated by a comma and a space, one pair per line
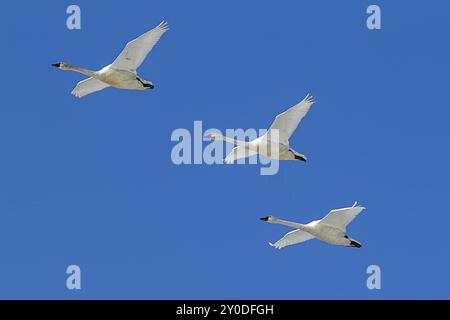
330, 229
274, 143
122, 72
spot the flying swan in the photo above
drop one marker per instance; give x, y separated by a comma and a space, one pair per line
330, 229
122, 72
274, 143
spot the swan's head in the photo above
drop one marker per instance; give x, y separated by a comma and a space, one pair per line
61, 65
212, 136
268, 218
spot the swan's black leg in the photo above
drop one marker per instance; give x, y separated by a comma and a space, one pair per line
296, 157
355, 244
145, 85
299, 158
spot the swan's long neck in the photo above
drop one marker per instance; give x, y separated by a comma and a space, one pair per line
289, 224
232, 141
86, 72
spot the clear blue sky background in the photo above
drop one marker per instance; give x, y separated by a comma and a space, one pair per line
91, 182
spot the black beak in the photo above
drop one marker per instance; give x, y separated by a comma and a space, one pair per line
148, 85
264, 219
57, 65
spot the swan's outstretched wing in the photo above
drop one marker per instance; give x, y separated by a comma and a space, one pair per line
288, 121
292, 237
88, 86
137, 50
238, 153
342, 217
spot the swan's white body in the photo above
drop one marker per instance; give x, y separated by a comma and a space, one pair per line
274, 143
330, 229
122, 72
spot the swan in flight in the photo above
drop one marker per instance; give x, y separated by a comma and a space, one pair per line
274, 143
331, 228
122, 72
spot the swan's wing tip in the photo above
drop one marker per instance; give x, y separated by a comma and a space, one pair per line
76, 95
228, 160
163, 25
309, 99
356, 204
274, 245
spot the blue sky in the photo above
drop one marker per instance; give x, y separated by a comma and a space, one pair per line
90, 182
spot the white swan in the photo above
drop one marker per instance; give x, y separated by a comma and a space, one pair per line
122, 72
274, 143
331, 228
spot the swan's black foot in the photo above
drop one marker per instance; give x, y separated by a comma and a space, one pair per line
144, 84
297, 156
355, 244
